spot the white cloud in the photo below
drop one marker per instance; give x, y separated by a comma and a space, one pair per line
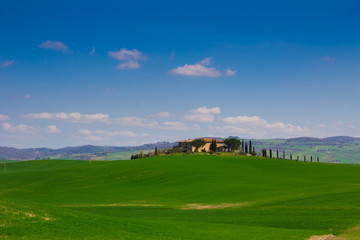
200, 69
7, 63
21, 128
54, 45
129, 65
84, 132
160, 115
205, 61
4, 117
328, 59
131, 58
202, 114
92, 51
133, 121
53, 129
74, 117
258, 126
127, 55
229, 72
196, 70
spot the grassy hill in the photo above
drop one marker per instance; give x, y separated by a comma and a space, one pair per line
178, 197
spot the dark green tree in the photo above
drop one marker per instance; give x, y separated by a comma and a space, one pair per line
270, 153
232, 143
317, 159
250, 146
310, 158
198, 143
297, 158
277, 153
290, 156
156, 151
246, 148
304, 158
283, 154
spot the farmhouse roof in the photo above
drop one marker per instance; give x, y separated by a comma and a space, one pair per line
205, 139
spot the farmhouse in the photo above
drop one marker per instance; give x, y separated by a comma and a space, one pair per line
187, 145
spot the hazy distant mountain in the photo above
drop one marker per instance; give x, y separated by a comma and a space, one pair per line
11, 153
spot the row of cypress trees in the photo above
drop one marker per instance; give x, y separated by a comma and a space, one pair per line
264, 154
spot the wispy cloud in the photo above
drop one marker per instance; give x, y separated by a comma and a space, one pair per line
131, 58
52, 129
178, 126
255, 125
55, 46
92, 51
172, 56
202, 114
105, 136
124, 133
328, 59
4, 117
128, 65
133, 121
229, 72
73, 117
27, 96
205, 61
6, 63
160, 115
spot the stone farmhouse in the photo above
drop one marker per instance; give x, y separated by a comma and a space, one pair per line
187, 145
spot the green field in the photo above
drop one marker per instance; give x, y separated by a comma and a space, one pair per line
179, 197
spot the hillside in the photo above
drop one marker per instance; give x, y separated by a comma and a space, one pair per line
178, 197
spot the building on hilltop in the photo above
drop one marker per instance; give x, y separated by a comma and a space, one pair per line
186, 144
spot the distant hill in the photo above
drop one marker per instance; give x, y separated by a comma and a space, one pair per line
342, 149
11, 153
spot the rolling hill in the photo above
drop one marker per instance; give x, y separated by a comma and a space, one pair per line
179, 197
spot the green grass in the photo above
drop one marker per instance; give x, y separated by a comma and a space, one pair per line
280, 199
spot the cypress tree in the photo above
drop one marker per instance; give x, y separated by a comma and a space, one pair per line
283, 154
277, 153
317, 159
290, 156
215, 146
304, 158
250, 146
310, 158
254, 149
270, 153
156, 151
246, 148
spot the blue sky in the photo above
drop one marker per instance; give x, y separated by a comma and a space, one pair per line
132, 72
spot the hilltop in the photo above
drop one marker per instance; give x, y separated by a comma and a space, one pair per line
179, 197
